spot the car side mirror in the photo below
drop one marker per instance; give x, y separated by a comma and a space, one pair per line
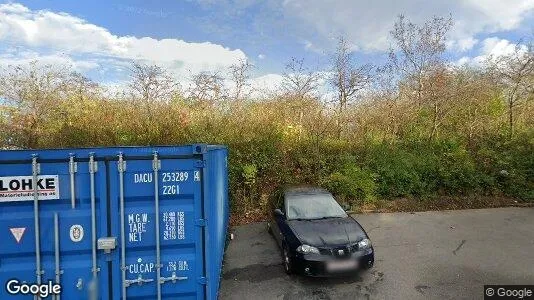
346, 207
279, 213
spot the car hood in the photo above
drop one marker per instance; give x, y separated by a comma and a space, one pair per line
327, 232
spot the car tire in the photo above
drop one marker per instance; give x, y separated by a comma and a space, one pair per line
286, 260
369, 265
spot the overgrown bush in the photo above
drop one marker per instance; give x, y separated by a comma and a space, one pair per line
455, 141
402, 173
352, 184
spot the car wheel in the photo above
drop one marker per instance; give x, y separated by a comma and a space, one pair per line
369, 265
288, 265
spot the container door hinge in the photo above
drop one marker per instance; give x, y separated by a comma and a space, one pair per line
200, 164
202, 280
93, 165
121, 164
156, 163
201, 222
36, 167
73, 166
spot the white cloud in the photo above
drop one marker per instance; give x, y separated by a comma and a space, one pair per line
367, 23
497, 47
267, 83
73, 36
261, 56
464, 60
502, 15
492, 48
309, 46
462, 45
13, 56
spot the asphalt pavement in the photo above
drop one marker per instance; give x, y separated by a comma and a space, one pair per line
424, 255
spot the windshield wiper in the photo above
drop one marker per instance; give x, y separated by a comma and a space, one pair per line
329, 217
320, 218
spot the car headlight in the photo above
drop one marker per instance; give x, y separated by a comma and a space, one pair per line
307, 249
364, 244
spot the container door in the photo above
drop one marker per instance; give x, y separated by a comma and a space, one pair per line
55, 240
157, 215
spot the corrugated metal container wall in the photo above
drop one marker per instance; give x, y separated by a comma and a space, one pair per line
114, 223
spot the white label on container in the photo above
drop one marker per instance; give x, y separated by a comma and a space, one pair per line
174, 225
76, 233
140, 267
18, 233
143, 178
181, 225
137, 226
21, 188
180, 265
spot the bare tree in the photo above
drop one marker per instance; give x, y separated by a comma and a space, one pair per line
207, 87
386, 91
418, 57
516, 72
298, 80
300, 85
152, 86
151, 83
240, 77
347, 78
472, 87
419, 49
33, 92
81, 87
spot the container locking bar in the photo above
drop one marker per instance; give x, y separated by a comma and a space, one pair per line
156, 165
73, 168
35, 173
121, 167
56, 252
92, 170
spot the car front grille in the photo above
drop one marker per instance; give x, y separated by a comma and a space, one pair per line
339, 251
325, 251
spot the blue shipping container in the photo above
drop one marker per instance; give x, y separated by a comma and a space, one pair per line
114, 223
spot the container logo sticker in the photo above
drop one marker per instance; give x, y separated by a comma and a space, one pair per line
76, 233
18, 233
21, 188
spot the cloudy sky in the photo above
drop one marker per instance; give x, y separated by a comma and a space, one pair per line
101, 38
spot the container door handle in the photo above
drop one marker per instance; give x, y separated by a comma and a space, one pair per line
172, 278
140, 280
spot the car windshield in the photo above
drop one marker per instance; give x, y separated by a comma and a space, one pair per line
313, 206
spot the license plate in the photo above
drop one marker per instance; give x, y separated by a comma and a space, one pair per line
341, 265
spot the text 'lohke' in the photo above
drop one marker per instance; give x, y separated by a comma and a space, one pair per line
27, 184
